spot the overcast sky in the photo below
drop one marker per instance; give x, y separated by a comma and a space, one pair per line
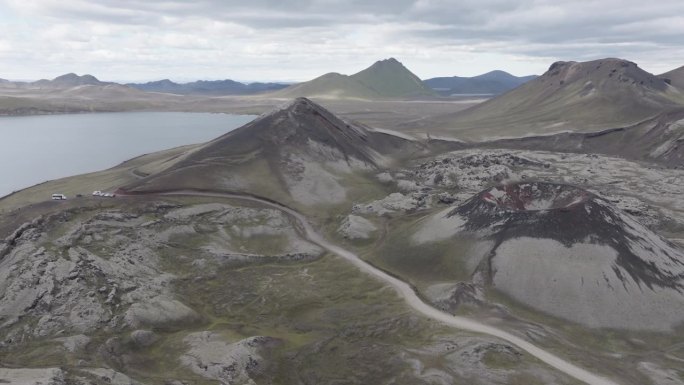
293, 40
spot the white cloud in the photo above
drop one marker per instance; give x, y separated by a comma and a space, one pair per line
300, 39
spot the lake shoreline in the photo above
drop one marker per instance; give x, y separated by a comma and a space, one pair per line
36, 149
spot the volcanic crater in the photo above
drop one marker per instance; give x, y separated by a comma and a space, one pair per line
535, 196
546, 240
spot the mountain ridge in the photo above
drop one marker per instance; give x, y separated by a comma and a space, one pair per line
70, 80
493, 82
208, 87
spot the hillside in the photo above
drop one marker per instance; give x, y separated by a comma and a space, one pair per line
68, 81
491, 83
676, 77
385, 79
207, 87
570, 96
300, 154
615, 272
659, 139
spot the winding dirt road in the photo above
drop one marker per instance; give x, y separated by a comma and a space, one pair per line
411, 297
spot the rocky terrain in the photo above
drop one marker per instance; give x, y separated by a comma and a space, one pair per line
194, 291
583, 259
597, 239
213, 263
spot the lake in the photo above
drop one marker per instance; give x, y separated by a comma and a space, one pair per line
34, 149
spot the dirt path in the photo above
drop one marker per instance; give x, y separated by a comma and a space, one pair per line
412, 298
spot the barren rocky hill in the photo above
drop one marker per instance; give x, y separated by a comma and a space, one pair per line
570, 96
300, 152
675, 77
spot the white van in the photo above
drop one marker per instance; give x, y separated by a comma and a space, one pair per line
58, 197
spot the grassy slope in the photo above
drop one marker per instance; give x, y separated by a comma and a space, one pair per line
386, 79
391, 79
332, 85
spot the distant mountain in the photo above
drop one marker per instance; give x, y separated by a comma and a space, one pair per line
385, 79
570, 96
675, 77
69, 80
389, 78
492, 83
208, 87
72, 93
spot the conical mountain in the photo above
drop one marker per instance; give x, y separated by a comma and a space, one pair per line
386, 79
675, 77
570, 96
567, 252
300, 154
389, 78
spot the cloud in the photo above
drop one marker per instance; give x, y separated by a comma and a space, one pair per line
300, 39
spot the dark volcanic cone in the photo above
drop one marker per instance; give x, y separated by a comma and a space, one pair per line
568, 252
300, 153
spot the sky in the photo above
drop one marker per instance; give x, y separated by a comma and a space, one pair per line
296, 40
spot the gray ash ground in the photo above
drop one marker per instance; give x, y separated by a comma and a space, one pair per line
598, 231
571, 215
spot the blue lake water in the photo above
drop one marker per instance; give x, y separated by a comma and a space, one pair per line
34, 149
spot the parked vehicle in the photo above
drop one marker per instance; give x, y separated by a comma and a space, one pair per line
98, 193
58, 197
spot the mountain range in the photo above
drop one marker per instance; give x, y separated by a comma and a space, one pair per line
491, 83
208, 87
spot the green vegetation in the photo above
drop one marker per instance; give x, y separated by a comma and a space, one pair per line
386, 79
